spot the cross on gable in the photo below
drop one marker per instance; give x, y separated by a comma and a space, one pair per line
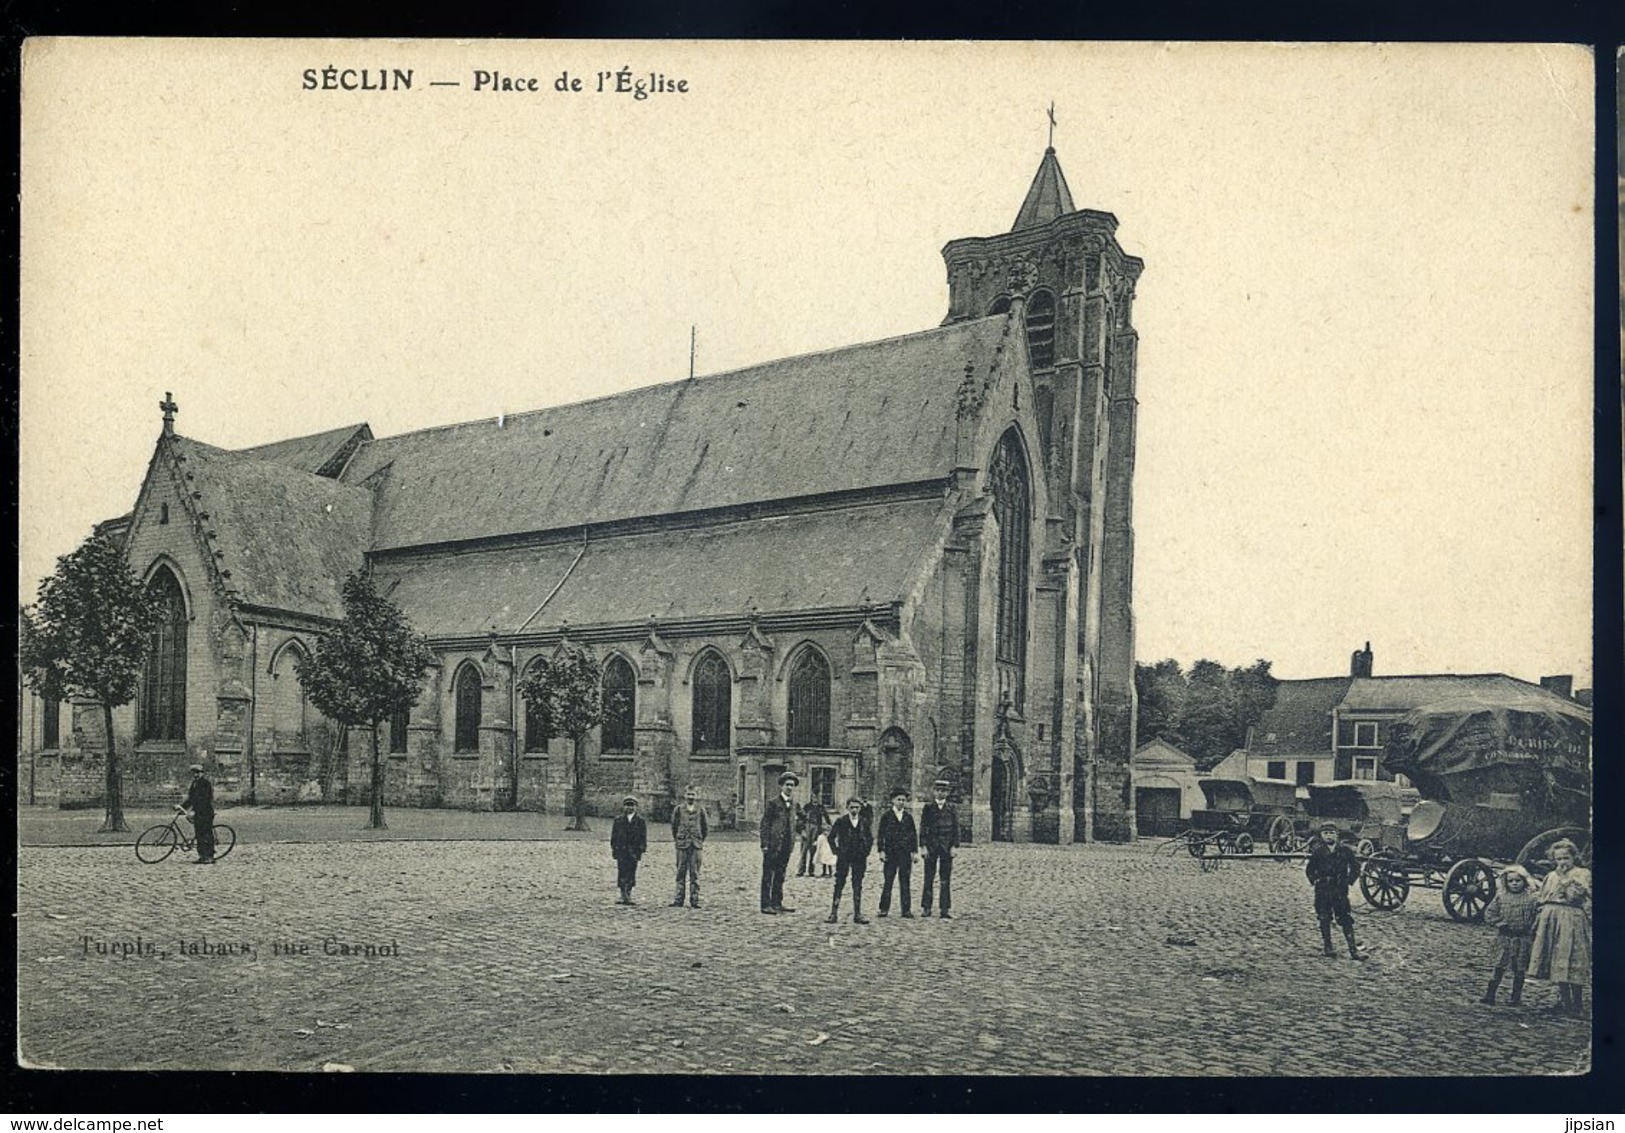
169, 407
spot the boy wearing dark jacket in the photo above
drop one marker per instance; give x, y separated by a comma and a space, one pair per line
627, 841
898, 842
1331, 869
850, 840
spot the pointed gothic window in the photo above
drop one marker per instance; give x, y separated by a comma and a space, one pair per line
163, 676
1041, 330
287, 702
1012, 506
713, 697
50, 723
620, 703
1001, 306
536, 736
468, 696
809, 701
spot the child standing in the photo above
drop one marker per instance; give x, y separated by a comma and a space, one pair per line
1562, 948
688, 834
627, 840
1332, 868
1513, 912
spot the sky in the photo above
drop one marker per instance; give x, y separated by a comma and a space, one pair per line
1365, 371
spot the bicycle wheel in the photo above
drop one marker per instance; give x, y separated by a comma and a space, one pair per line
155, 844
224, 839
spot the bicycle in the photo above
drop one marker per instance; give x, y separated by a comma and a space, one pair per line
158, 842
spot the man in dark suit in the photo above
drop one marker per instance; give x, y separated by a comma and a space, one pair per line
200, 803
627, 841
778, 838
898, 844
850, 840
939, 834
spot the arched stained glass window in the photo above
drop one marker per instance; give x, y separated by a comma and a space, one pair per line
163, 676
1041, 330
713, 704
809, 700
468, 695
620, 705
1012, 506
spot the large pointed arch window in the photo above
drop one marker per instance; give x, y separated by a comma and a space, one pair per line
289, 709
468, 697
713, 704
1011, 488
620, 706
163, 675
536, 736
1041, 330
809, 700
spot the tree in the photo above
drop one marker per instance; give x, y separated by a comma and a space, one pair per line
88, 635
1207, 710
1161, 691
366, 669
564, 694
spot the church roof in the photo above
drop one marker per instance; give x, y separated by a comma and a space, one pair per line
1047, 197
863, 416
287, 537
320, 453
835, 558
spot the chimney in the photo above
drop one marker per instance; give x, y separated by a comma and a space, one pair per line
1563, 685
1360, 662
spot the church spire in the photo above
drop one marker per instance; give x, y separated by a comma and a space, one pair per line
1048, 197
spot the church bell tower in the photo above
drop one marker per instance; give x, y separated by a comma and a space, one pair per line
1062, 273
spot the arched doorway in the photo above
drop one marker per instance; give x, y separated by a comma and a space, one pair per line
896, 761
1002, 796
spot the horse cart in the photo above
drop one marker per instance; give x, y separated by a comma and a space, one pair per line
1369, 813
1500, 783
1241, 815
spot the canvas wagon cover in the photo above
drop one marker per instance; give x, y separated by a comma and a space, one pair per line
1533, 744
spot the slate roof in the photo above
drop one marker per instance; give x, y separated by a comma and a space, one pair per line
1301, 719
822, 559
320, 453
287, 537
1047, 197
858, 417
1404, 693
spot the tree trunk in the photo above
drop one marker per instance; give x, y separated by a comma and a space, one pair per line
375, 820
581, 786
113, 822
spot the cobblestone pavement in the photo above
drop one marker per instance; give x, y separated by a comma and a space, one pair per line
1112, 960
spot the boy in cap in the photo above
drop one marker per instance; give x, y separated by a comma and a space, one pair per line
850, 838
898, 842
939, 834
688, 834
200, 806
1331, 869
627, 841
778, 838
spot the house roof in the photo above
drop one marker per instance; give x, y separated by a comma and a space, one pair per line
859, 417
1301, 718
834, 558
1160, 753
1404, 693
321, 453
1047, 197
287, 537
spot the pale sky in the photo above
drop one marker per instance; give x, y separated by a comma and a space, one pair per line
1365, 370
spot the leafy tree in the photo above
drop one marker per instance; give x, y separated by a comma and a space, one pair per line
1161, 691
88, 635
366, 669
564, 694
1206, 710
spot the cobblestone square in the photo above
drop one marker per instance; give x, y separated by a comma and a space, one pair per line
512, 956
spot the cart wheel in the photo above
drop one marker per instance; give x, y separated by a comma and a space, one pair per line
1244, 843
1281, 835
1385, 885
1534, 851
1195, 846
1468, 888
1365, 847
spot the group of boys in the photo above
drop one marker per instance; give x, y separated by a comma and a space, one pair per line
851, 840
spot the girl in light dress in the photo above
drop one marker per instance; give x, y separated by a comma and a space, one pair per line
824, 856
1562, 946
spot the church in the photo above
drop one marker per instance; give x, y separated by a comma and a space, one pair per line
874, 566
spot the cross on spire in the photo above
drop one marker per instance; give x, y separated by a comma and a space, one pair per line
1052, 124
169, 407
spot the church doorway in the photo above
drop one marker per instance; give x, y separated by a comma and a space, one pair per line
1003, 799
896, 762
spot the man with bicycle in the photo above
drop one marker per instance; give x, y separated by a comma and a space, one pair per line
200, 804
